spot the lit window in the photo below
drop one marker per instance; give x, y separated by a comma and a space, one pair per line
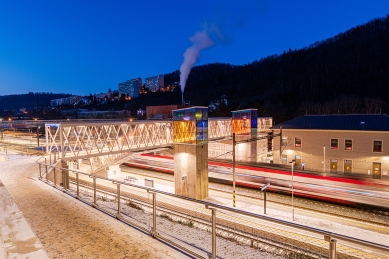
297, 142
334, 143
284, 159
348, 144
377, 146
284, 141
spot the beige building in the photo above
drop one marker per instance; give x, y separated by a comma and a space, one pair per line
341, 144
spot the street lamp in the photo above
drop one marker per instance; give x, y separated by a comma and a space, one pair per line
233, 171
292, 162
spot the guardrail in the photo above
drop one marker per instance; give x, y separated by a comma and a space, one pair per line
204, 229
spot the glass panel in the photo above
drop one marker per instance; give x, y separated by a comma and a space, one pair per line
297, 142
334, 143
244, 121
377, 146
348, 144
190, 125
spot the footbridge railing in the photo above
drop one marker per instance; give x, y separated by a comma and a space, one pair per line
85, 140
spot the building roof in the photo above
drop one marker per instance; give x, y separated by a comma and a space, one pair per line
365, 122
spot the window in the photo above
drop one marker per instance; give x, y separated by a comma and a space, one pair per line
297, 142
348, 144
334, 143
377, 146
284, 141
284, 159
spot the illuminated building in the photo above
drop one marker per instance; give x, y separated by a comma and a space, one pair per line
340, 144
154, 83
130, 87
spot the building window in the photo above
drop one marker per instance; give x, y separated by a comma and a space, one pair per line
377, 146
297, 142
334, 143
284, 159
348, 144
284, 141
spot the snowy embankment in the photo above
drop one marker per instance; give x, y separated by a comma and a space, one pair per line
67, 228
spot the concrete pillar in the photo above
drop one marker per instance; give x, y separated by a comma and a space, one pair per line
63, 177
191, 170
190, 136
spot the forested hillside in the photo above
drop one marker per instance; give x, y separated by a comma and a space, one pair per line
28, 101
348, 73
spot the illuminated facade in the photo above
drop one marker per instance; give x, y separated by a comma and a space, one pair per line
353, 144
244, 122
130, 87
154, 83
190, 125
244, 125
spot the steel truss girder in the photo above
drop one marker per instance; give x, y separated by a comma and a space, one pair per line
85, 140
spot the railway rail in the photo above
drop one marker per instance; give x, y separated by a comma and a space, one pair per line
204, 229
366, 215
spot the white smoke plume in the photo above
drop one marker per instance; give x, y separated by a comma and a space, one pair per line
201, 40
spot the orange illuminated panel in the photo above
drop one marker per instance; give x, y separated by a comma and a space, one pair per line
184, 132
241, 127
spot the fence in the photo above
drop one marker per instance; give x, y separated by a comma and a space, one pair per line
203, 229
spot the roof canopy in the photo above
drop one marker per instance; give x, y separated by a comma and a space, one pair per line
366, 122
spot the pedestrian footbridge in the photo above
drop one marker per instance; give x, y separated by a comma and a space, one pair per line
85, 140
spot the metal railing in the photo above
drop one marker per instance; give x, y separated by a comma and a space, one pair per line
204, 229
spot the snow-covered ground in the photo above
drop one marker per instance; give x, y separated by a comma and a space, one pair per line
66, 228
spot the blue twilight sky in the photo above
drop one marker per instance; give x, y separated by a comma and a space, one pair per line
88, 46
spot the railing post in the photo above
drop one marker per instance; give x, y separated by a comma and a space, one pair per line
264, 202
118, 193
213, 233
63, 179
94, 192
40, 171
154, 233
46, 171
333, 249
78, 186
55, 177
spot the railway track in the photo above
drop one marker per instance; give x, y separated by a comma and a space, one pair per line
229, 230
240, 232
365, 214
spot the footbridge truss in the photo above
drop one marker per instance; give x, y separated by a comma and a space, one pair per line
86, 140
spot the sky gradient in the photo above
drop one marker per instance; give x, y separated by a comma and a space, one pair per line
88, 46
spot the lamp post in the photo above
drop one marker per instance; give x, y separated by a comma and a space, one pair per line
233, 171
324, 161
292, 162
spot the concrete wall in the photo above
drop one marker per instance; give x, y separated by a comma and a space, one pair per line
312, 150
191, 170
246, 152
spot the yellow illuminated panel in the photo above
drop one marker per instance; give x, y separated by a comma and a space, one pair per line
184, 132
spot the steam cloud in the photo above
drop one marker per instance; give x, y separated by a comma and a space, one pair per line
200, 40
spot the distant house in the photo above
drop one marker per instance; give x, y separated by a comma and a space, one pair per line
341, 144
162, 112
